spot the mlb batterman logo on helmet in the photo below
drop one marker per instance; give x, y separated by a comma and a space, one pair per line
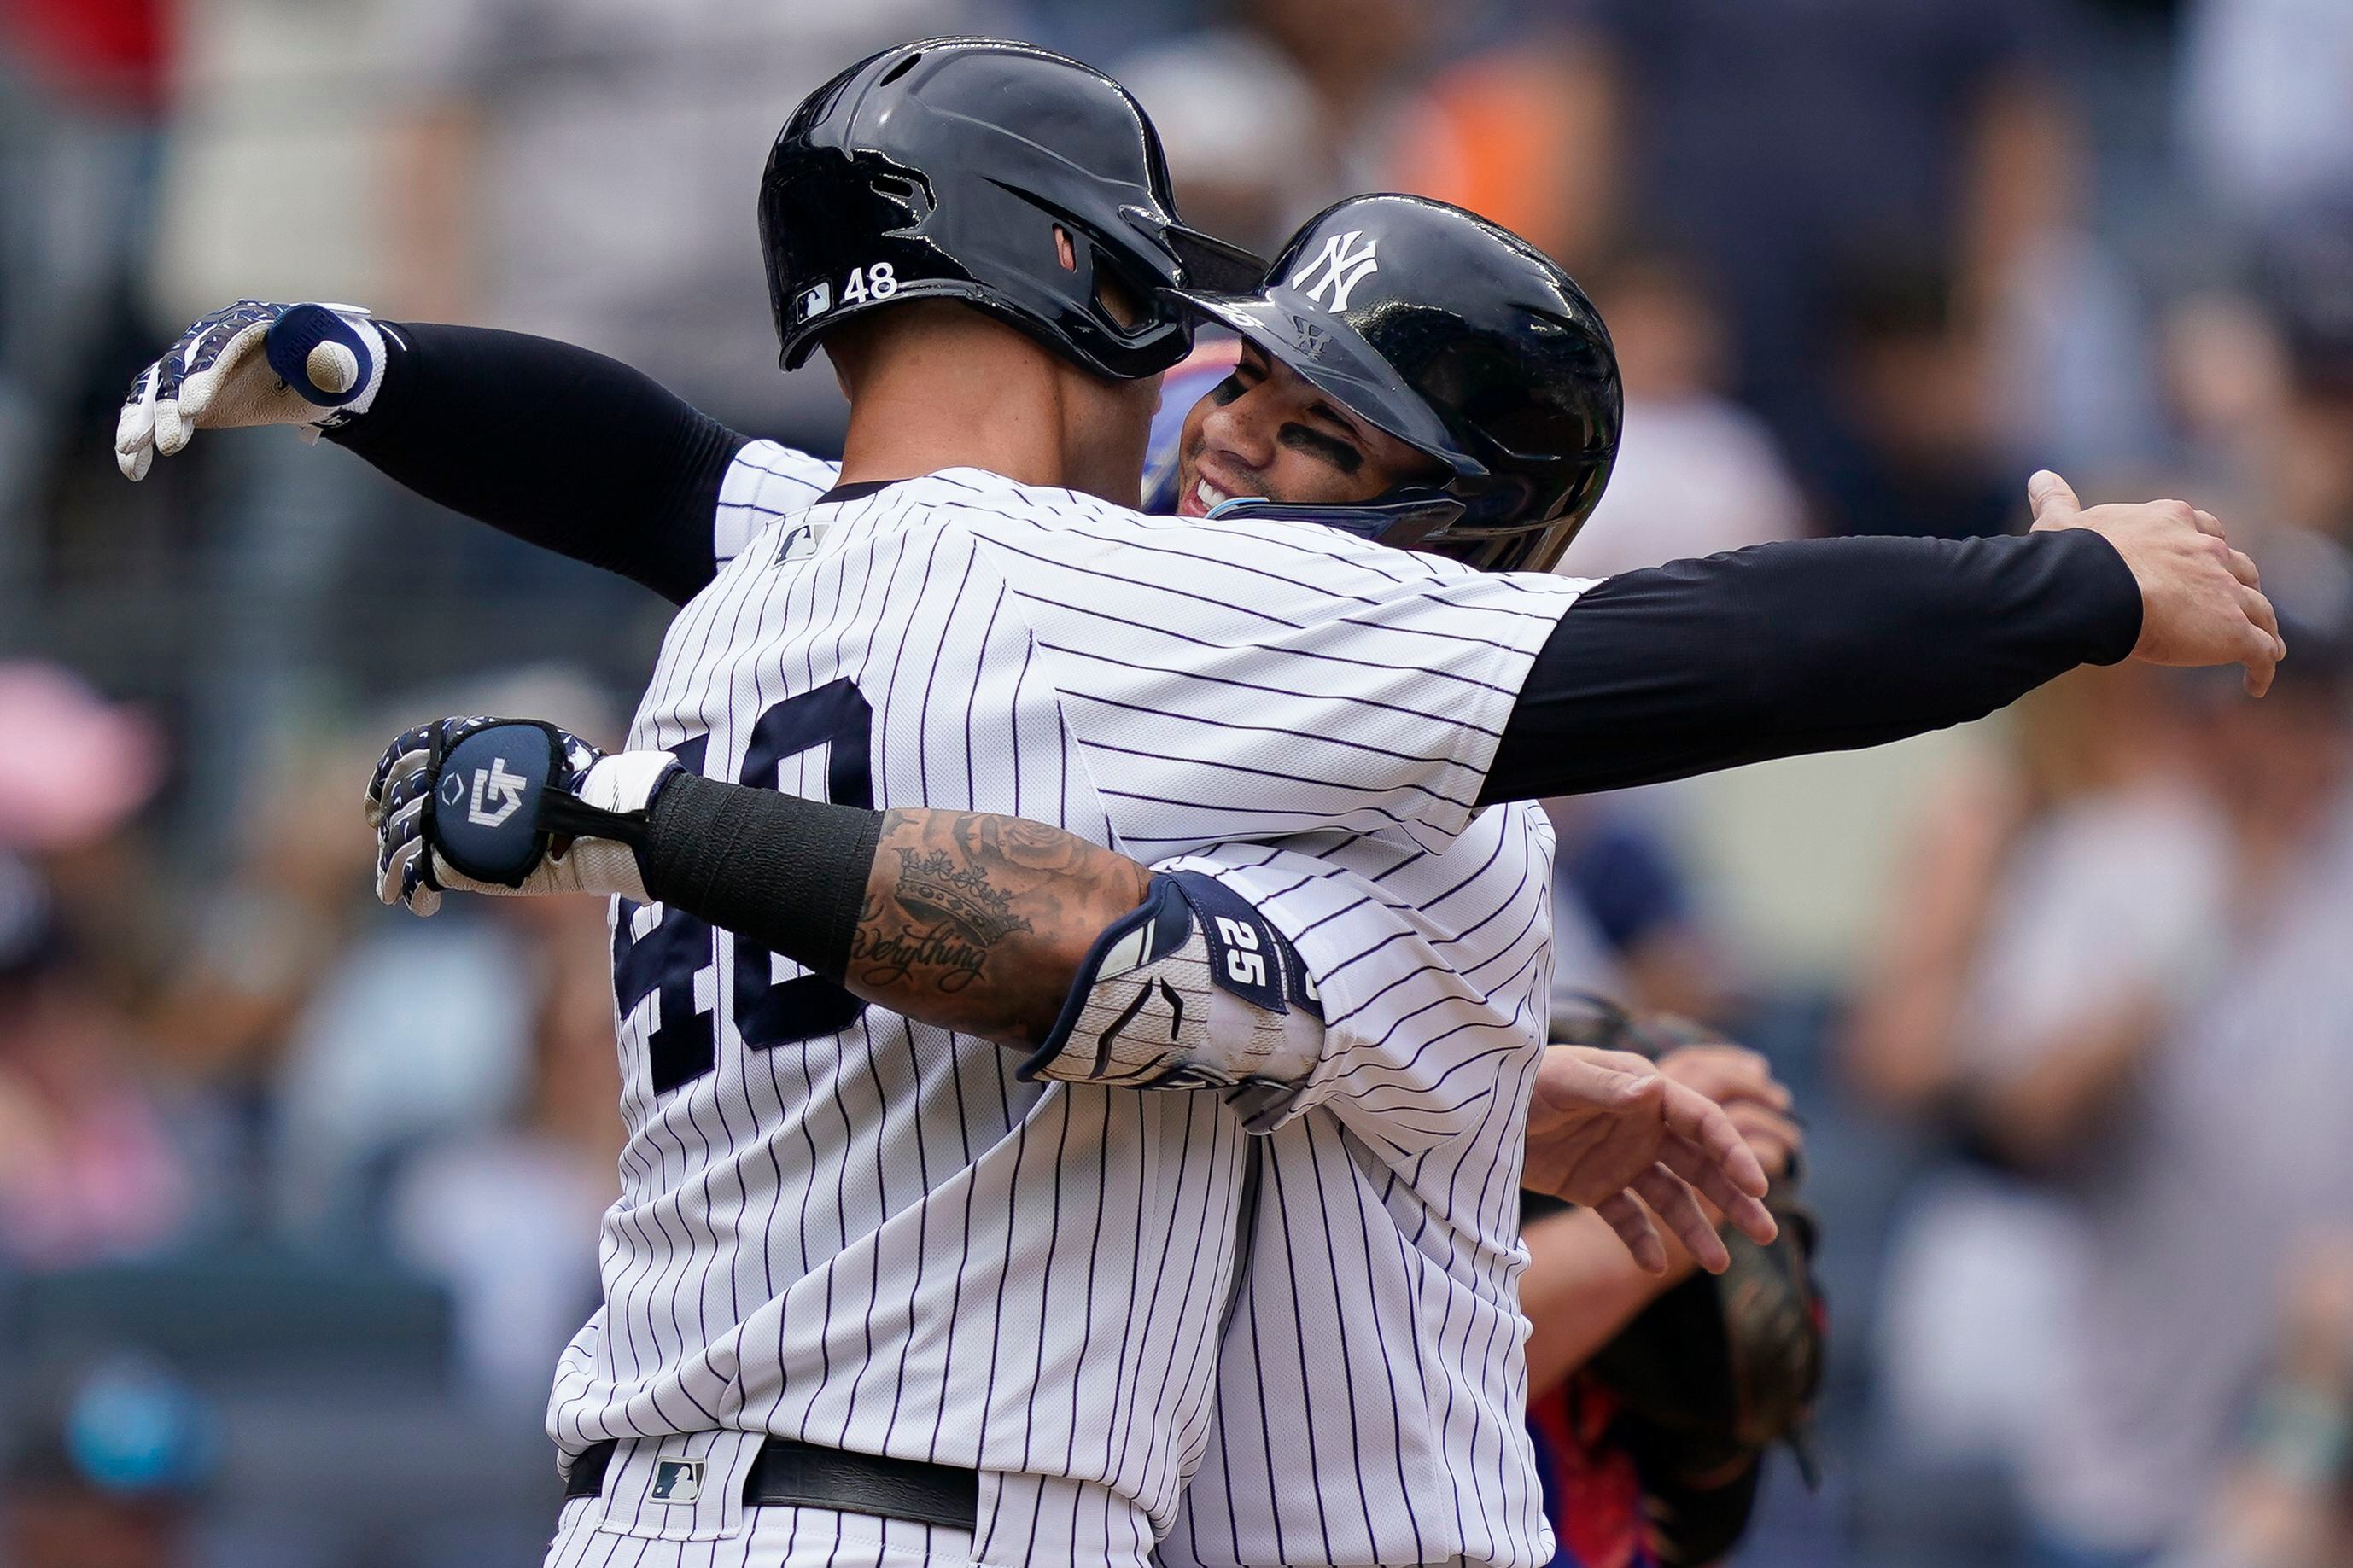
1462, 341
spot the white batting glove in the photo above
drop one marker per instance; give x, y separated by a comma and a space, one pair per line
310, 366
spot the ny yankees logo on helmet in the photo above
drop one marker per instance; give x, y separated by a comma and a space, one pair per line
1344, 267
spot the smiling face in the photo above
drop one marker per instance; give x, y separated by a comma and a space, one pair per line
1265, 431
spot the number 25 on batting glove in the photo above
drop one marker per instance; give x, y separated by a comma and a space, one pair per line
508, 806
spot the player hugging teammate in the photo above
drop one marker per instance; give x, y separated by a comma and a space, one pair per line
1082, 975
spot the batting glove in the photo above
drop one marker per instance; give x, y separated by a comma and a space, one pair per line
508, 806
310, 366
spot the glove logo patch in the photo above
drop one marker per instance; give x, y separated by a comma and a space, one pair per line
494, 780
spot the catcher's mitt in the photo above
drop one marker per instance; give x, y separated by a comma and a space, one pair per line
1722, 1366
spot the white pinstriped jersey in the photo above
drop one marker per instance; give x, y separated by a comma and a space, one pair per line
840, 1226
1371, 1390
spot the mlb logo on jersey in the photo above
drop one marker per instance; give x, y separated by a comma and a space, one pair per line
678, 1480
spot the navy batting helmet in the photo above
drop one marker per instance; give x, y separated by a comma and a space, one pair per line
941, 170
1464, 341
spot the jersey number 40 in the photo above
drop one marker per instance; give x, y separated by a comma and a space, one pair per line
663, 960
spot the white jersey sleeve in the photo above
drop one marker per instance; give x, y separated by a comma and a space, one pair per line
1230, 680
1429, 1007
766, 481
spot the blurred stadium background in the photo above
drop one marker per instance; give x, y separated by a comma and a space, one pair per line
296, 1195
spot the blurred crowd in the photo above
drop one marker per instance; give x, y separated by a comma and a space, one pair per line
295, 1192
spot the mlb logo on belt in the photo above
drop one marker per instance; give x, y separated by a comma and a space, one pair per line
678, 1480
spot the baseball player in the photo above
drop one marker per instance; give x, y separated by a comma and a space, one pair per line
792, 591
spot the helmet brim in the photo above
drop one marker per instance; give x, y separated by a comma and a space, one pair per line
1330, 355
1211, 264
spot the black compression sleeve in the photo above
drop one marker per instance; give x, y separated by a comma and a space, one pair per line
787, 873
555, 445
1813, 645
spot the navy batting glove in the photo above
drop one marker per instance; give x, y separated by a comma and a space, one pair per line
508, 806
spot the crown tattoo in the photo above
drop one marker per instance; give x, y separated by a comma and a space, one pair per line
938, 887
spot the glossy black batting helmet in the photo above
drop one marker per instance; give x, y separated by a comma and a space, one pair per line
1464, 341
941, 170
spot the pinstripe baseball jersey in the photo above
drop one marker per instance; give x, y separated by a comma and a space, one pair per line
1371, 1391
840, 1226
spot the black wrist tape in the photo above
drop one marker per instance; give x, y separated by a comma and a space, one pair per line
787, 873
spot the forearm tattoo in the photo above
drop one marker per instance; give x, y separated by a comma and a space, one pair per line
978, 922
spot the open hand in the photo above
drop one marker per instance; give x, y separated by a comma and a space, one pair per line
2201, 601
1609, 1131
1742, 1082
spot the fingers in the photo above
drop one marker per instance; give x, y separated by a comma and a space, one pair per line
1675, 1203
1701, 1123
211, 366
2265, 618
400, 844
1725, 1074
1582, 1078
1632, 1224
134, 429
2054, 499
172, 434
409, 750
1706, 1175
1775, 1139
2261, 646
2260, 661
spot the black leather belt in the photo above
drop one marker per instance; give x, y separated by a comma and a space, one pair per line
803, 1475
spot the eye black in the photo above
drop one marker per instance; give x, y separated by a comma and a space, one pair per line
1339, 454
1225, 391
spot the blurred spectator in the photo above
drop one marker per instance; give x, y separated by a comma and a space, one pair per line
585, 169
2307, 280
2289, 1498
102, 1470
1524, 132
2129, 997
1333, 76
1221, 100
1787, 143
1625, 924
412, 1032
2266, 114
1910, 387
507, 1217
89, 1168
1696, 473
79, 86
2046, 898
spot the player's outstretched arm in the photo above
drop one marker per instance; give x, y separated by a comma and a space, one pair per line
560, 447
1828, 645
